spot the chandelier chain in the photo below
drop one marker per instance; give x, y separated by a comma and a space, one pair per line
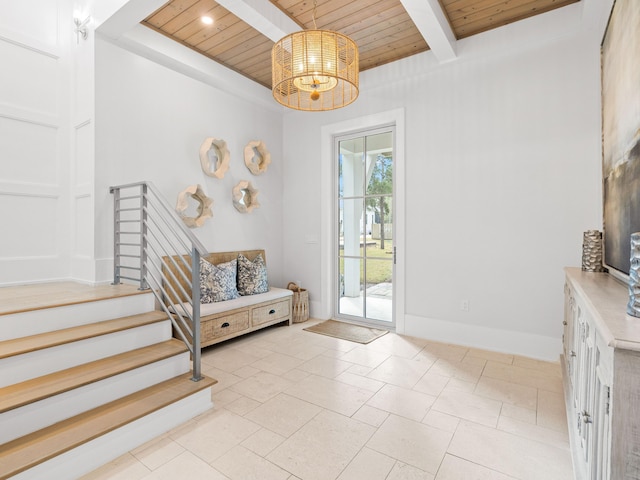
313, 14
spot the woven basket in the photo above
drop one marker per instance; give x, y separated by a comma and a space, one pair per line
299, 304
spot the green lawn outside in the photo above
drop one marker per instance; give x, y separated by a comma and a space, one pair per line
377, 271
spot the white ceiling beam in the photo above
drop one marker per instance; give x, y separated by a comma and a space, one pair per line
162, 50
119, 22
113, 19
434, 27
262, 15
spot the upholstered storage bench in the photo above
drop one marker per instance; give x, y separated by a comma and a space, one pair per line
221, 321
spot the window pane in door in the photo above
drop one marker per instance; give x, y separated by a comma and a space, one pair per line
351, 168
351, 227
379, 289
350, 284
379, 227
379, 164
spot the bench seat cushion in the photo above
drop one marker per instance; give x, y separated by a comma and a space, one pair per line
241, 302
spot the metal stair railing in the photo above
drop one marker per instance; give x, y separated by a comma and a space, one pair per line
150, 239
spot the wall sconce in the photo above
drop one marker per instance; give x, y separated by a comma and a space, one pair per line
81, 28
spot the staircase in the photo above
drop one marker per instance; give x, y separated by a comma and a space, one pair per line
86, 375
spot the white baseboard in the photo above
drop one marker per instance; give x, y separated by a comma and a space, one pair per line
486, 338
104, 270
82, 269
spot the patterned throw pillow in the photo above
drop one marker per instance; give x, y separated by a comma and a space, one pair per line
218, 282
252, 276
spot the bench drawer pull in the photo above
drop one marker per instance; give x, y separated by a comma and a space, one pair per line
272, 311
224, 325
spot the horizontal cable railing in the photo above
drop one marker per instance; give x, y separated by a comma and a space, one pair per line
154, 248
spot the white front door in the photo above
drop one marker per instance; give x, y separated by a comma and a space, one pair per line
365, 250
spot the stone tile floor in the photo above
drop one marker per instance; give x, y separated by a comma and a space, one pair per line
297, 405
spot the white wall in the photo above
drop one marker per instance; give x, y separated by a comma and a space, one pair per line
502, 166
502, 177
82, 155
150, 123
35, 37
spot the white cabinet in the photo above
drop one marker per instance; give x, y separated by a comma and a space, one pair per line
601, 366
580, 356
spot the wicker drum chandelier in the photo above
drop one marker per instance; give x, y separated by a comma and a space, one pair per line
315, 70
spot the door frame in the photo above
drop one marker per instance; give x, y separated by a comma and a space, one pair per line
328, 273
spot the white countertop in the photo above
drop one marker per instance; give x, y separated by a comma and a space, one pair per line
607, 300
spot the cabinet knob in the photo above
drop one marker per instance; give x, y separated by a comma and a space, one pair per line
564, 322
272, 311
572, 353
586, 418
224, 325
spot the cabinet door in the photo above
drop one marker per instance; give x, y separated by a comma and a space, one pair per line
568, 340
584, 391
577, 353
599, 465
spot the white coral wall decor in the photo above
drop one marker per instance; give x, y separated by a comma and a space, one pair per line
256, 157
204, 206
214, 157
245, 197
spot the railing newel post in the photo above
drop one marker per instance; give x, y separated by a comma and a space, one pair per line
116, 235
195, 298
144, 285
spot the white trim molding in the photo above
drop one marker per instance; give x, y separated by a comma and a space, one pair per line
486, 338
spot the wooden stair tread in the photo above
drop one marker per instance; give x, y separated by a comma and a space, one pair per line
32, 343
20, 394
26, 298
28, 451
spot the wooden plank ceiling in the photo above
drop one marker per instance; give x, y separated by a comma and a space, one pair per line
382, 29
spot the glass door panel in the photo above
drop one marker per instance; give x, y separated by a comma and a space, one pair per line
351, 168
380, 227
380, 164
379, 288
365, 226
351, 221
351, 298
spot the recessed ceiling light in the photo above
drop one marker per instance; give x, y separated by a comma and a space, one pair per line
206, 20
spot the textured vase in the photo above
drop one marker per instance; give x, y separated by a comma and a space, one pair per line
633, 307
592, 251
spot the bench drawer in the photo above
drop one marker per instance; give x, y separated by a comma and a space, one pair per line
273, 311
223, 326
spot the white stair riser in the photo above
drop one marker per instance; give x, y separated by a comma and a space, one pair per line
42, 362
24, 420
91, 455
18, 325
